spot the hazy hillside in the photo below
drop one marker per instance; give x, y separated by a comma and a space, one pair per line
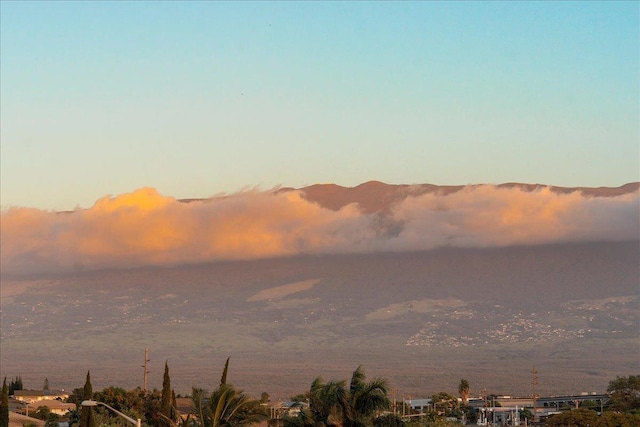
422, 319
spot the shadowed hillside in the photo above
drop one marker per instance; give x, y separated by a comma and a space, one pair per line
423, 319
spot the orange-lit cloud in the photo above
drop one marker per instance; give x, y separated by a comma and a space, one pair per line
147, 228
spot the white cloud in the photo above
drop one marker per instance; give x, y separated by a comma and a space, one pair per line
147, 228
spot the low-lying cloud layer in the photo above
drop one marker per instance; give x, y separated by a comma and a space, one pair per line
147, 228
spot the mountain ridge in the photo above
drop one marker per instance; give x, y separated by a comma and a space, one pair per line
376, 196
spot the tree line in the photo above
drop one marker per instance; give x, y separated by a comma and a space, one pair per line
335, 403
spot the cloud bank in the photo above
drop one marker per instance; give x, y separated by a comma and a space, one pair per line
147, 228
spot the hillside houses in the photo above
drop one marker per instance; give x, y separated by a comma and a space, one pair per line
31, 396
28, 401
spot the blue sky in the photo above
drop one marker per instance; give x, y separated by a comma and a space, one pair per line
198, 98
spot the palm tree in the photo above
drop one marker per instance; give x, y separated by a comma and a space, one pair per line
365, 399
332, 404
227, 407
464, 391
328, 401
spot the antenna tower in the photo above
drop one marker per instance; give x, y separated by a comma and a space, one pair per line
146, 371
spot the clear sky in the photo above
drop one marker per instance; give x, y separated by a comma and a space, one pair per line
198, 98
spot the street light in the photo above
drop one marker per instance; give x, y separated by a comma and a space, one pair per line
136, 423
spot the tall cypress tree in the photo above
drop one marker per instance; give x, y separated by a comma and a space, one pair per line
87, 418
174, 406
225, 371
15, 384
165, 401
4, 406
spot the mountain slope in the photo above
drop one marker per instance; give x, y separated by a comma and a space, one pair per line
375, 196
572, 309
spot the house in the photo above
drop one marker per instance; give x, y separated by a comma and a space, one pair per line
19, 420
31, 396
55, 406
184, 406
419, 406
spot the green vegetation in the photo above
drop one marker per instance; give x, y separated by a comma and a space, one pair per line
357, 403
332, 404
87, 417
135, 403
625, 393
41, 413
15, 384
389, 420
225, 407
225, 371
464, 390
167, 401
4, 405
623, 409
587, 418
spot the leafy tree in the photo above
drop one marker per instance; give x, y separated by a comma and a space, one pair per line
464, 390
116, 397
41, 413
264, 397
135, 403
617, 419
624, 393
76, 397
574, 418
4, 405
590, 404
445, 404
87, 417
74, 418
526, 414
52, 420
151, 404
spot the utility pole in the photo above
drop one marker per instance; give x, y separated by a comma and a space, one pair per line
486, 406
534, 396
146, 371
